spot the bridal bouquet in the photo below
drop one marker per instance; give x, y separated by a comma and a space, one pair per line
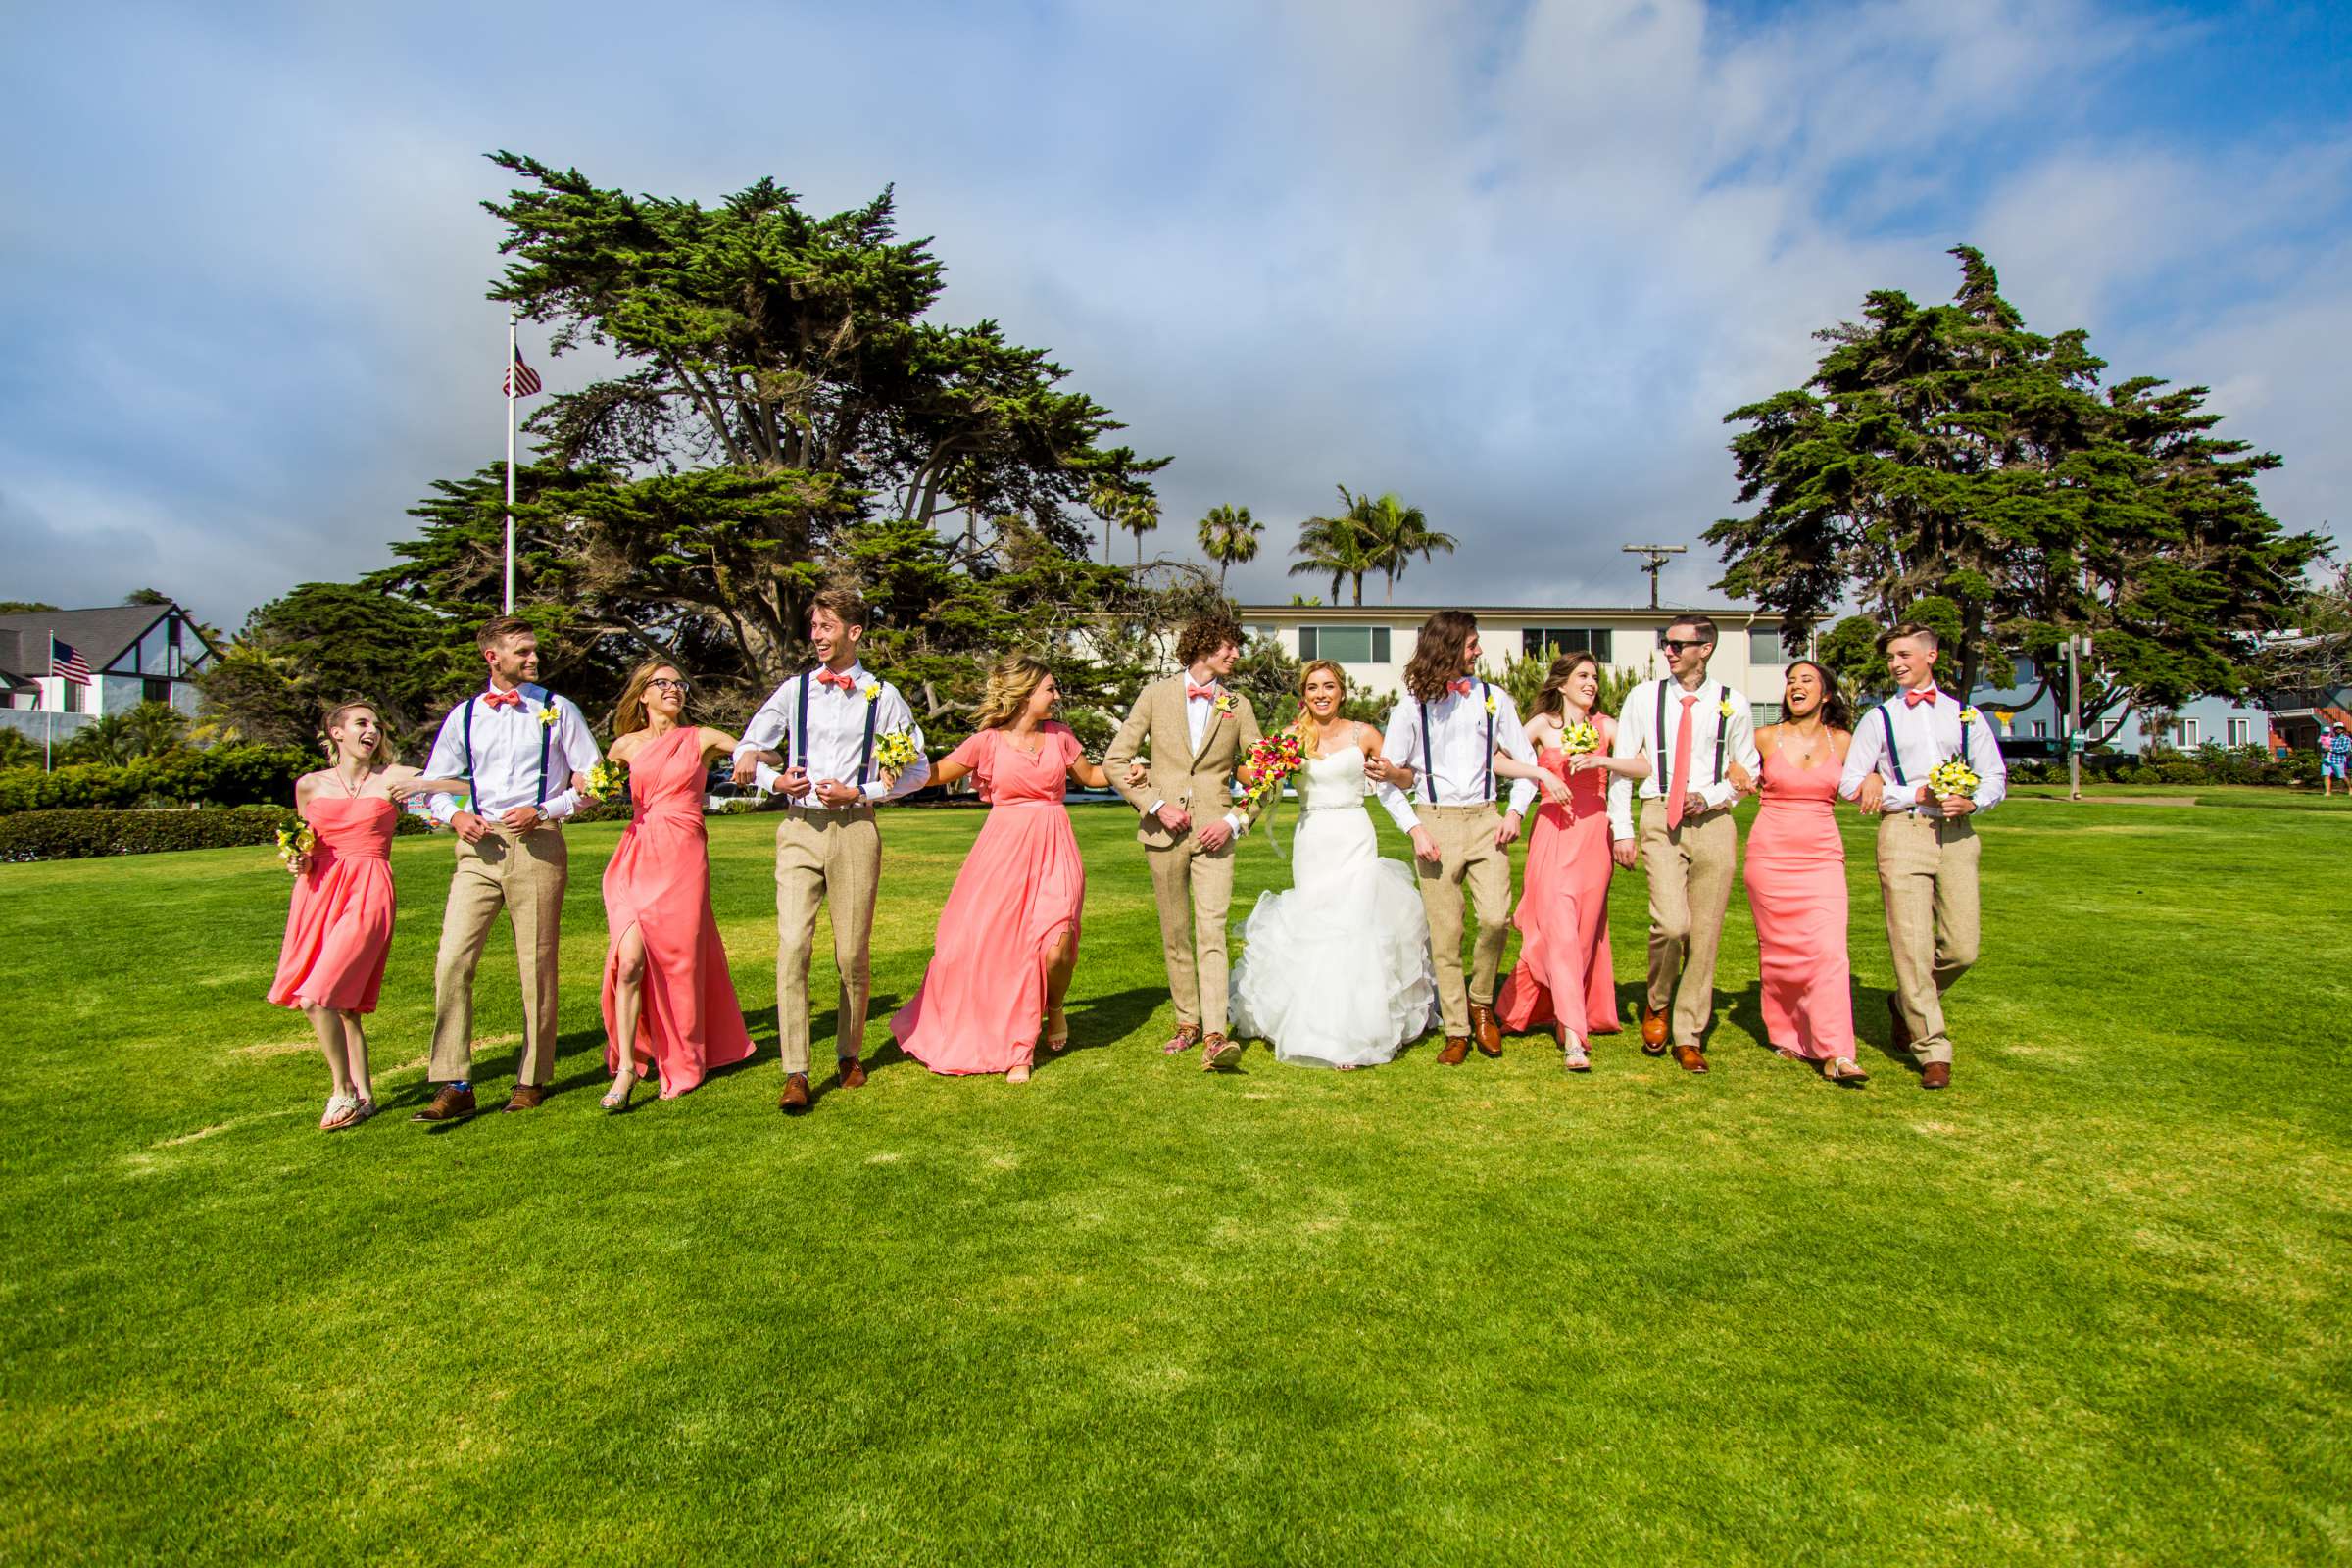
1580, 739
893, 754
295, 841
1953, 777
609, 778
1272, 760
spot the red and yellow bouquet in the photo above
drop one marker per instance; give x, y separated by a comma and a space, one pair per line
1272, 760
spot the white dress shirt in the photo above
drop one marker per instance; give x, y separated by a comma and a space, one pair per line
1925, 735
506, 743
1640, 717
1460, 768
836, 738
1196, 712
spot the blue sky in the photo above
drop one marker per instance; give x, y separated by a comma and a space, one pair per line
1512, 261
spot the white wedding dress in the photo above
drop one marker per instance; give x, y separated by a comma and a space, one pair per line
1336, 972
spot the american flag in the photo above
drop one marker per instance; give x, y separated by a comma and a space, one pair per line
521, 381
66, 659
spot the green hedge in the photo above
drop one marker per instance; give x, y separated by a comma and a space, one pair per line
75, 835
224, 775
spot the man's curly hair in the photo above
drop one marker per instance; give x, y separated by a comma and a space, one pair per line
1203, 634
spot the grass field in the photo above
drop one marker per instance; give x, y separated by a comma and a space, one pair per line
2089, 1306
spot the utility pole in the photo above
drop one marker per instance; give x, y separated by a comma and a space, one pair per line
1654, 563
2076, 647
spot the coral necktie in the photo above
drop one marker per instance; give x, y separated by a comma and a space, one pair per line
1681, 764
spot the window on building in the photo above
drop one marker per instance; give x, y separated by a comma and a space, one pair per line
1549, 642
2184, 734
2241, 732
155, 691
76, 698
2041, 729
1762, 713
1345, 644
1764, 646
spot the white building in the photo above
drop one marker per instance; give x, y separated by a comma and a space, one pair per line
1373, 642
136, 654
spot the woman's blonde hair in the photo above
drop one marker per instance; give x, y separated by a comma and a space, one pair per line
382, 756
628, 715
1011, 681
1307, 738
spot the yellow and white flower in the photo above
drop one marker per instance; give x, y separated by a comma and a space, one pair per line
1968, 716
873, 691
548, 717
1226, 702
1493, 707
1724, 708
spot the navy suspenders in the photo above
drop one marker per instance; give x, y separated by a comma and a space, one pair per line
1485, 776
1894, 756
800, 732
1657, 740
865, 756
547, 734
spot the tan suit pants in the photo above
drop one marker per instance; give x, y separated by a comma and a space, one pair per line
1194, 889
1928, 877
1467, 855
523, 875
832, 857
1689, 869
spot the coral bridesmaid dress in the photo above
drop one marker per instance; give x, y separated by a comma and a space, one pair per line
340, 927
658, 880
982, 1002
1563, 915
1796, 885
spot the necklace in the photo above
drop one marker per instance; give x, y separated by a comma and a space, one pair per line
349, 788
1800, 758
1036, 737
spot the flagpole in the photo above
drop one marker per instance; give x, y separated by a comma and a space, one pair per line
510, 463
49, 719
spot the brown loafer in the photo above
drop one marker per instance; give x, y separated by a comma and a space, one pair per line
1456, 1052
1936, 1075
1690, 1059
795, 1097
1901, 1034
852, 1073
1218, 1052
451, 1103
527, 1097
1186, 1036
1653, 1032
1485, 1030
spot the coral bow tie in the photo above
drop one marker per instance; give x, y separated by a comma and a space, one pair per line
503, 699
826, 677
1460, 688
1925, 694
1191, 692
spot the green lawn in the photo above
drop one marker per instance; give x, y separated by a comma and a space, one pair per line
2089, 1306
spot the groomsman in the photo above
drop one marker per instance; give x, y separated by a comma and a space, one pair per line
822, 726
1198, 730
1701, 740
1928, 846
1440, 743
521, 744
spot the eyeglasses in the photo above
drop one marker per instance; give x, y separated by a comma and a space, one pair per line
1675, 645
666, 683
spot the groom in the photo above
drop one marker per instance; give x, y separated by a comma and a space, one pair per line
1199, 732
1444, 737
822, 725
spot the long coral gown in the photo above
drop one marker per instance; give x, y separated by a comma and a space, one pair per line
981, 1005
340, 925
1796, 885
658, 880
1563, 913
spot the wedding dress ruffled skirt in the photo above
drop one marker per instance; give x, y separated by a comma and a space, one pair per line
1335, 971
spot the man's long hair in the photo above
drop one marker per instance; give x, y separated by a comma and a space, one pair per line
1437, 653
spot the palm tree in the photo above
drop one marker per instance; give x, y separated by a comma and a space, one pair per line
1229, 535
1334, 548
1141, 516
1394, 534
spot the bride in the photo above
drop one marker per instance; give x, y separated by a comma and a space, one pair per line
1335, 971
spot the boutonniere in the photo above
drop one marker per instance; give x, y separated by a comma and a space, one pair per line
547, 714
1226, 702
1968, 716
872, 691
1724, 708
1493, 707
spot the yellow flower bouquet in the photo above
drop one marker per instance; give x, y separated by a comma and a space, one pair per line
295, 841
1954, 777
893, 754
1580, 739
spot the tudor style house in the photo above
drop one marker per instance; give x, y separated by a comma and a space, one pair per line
136, 654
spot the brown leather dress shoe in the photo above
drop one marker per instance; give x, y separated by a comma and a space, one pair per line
852, 1073
1690, 1059
1218, 1052
795, 1097
527, 1097
451, 1103
1936, 1075
1653, 1032
1485, 1030
1901, 1031
1186, 1036
1456, 1052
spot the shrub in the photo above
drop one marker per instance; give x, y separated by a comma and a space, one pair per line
224, 775
72, 835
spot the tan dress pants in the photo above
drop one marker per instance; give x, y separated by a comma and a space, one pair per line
1689, 869
832, 857
1467, 855
1194, 889
1928, 878
523, 875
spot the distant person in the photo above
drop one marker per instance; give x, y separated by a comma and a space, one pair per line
2336, 758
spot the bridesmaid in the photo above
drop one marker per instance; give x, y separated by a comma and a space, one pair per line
1797, 877
667, 991
1007, 937
339, 928
1565, 977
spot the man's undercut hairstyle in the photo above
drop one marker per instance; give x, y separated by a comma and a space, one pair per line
847, 606
1912, 630
498, 630
1697, 623
1205, 634
1438, 652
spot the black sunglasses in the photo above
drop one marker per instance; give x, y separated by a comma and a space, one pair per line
1675, 645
